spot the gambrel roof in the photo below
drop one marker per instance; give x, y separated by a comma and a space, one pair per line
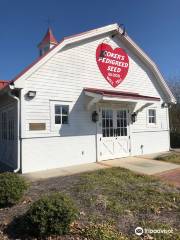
111, 29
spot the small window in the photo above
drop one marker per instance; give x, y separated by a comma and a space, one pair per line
61, 114
152, 116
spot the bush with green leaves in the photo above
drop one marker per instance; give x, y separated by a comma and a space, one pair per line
12, 188
50, 215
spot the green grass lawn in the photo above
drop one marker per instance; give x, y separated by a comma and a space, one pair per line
129, 200
170, 157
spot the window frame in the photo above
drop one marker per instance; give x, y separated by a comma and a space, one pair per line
151, 124
60, 114
55, 126
113, 115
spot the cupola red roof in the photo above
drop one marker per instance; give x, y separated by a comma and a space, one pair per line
48, 38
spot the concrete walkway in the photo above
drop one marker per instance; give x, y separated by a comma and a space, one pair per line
142, 165
65, 171
136, 164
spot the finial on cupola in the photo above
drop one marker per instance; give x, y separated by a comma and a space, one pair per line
47, 42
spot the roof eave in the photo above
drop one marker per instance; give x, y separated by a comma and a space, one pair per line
61, 44
170, 97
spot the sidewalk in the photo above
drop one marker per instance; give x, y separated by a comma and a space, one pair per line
65, 171
142, 165
136, 164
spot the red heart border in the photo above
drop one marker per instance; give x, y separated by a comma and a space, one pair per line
109, 60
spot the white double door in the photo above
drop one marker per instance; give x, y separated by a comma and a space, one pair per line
113, 137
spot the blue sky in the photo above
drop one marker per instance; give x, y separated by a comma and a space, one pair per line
154, 25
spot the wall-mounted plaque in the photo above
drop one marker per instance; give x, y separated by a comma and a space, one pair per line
37, 126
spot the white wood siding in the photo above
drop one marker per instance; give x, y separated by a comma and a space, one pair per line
65, 75
63, 78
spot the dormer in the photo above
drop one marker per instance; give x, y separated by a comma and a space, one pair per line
47, 42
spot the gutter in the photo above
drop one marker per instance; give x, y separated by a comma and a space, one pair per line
18, 128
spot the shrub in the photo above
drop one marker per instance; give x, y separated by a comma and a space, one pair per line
12, 188
103, 231
50, 215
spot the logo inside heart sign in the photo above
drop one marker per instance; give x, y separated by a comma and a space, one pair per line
113, 63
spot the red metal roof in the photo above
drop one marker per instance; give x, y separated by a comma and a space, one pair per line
120, 94
3, 83
39, 58
48, 38
32, 64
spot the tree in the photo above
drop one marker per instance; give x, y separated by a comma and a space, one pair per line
174, 112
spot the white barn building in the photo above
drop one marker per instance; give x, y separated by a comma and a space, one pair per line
91, 97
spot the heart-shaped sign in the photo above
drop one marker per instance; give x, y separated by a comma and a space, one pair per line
113, 63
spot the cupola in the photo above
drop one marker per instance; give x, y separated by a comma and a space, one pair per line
47, 42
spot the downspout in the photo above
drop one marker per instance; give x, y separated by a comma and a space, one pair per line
18, 129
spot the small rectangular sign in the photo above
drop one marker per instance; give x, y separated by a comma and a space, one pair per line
37, 126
